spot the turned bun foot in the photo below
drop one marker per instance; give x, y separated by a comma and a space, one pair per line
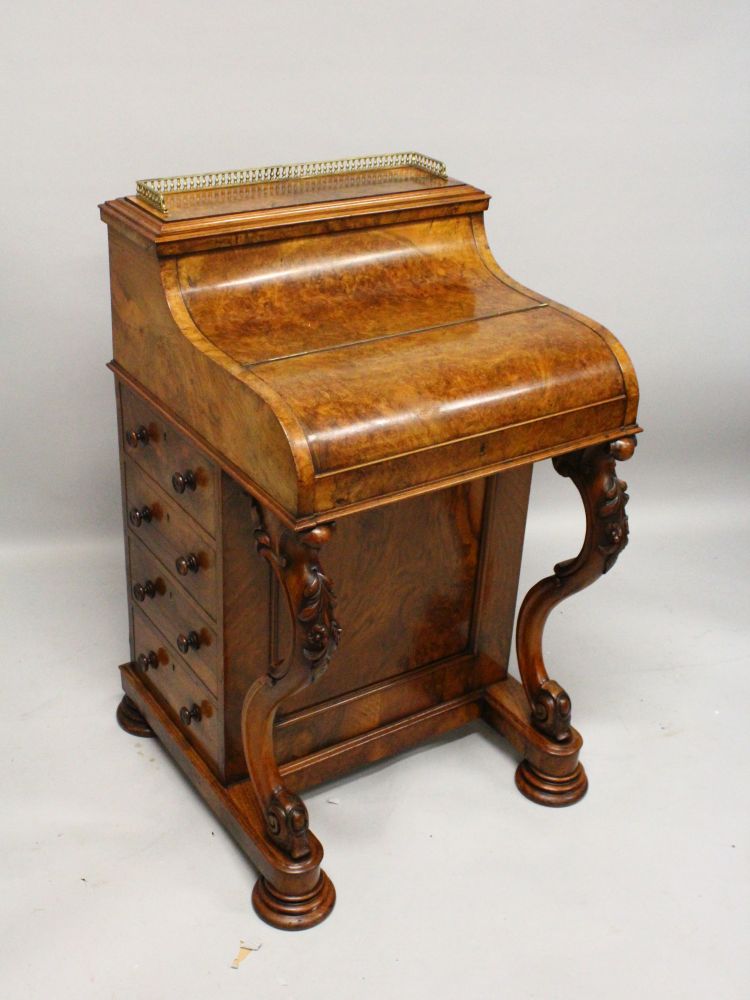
549, 789
131, 720
294, 913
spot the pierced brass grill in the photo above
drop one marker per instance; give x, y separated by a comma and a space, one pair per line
154, 191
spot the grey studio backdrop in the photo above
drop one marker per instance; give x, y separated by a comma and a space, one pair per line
614, 140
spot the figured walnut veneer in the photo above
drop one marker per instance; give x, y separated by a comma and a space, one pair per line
330, 398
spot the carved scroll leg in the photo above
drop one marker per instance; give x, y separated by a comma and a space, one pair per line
300, 893
558, 778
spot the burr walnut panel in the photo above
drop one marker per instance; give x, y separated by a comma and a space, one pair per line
401, 617
390, 342
305, 295
463, 380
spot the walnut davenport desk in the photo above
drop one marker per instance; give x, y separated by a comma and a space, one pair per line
330, 399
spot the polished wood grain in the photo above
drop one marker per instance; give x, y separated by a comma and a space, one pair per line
330, 399
248, 625
172, 536
308, 594
402, 619
180, 689
304, 338
604, 499
341, 291
170, 459
169, 607
319, 742
504, 520
550, 773
235, 808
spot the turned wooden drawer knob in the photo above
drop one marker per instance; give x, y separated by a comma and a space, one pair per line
143, 590
182, 481
149, 659
187, 564
187, 642
188, 714
137, 436
139, 516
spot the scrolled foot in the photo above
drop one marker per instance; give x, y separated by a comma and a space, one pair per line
131, 720
293, 913
550, 711
551, 789
287, 823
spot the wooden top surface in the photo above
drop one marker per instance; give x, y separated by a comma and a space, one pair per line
213, 213
345, 352
394, 339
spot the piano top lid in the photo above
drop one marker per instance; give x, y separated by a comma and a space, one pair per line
341, 334
172, 210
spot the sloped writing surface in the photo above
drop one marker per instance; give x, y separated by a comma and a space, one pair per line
382, 398
339, 355
294, 296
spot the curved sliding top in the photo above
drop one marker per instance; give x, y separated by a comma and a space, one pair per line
393, 351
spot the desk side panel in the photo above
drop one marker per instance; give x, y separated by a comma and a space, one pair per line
194, 381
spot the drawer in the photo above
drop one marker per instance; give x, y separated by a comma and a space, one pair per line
163, 600
176, 686
173, 536
167, 456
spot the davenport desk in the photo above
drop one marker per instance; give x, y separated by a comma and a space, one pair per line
323, 375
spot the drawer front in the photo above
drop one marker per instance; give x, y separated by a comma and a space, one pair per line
177, 686
182, 471
163, 600
170, 534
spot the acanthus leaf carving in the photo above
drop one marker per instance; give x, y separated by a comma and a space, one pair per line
323, 632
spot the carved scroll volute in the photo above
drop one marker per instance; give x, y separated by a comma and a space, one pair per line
294, 559
604, 498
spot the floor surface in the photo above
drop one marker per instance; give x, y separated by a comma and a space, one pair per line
116, 881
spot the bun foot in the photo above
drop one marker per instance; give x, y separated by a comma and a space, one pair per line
131, 720
294, 913
549, 789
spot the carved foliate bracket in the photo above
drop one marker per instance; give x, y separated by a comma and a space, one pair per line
316, 615
309, 592
294, 558
604, 498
